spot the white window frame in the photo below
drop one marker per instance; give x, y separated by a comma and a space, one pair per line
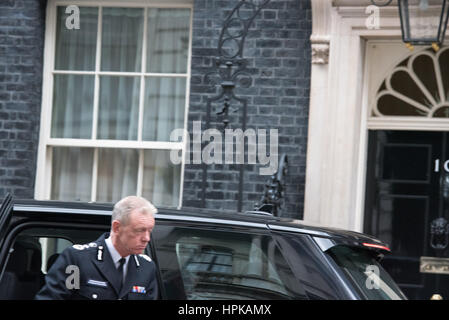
46, 142
384, 73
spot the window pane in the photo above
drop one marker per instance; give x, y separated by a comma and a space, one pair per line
72, 174
72, 106
168, 40
164, 107
212, 264
122, 34
75, 48
444, 69
119, 108
117, 174
402, 82
161, 178
389, 105
357, 263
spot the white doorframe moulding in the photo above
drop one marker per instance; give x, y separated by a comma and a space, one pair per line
337, 137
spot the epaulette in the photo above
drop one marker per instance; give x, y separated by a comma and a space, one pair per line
84, 246
145, 257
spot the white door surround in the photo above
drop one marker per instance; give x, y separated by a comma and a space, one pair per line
338, 114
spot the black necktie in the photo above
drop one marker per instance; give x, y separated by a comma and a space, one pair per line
120, 272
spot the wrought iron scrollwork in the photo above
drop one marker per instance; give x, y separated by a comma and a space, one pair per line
230, 71
439, 234
230, 66
274, 188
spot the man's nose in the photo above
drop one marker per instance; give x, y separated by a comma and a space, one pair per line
146, 236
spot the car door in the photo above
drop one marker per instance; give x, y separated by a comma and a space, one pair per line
210, 261
31, 241
5, 216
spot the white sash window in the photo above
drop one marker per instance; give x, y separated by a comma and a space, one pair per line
114, 90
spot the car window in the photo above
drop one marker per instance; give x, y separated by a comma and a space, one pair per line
366, 273
216, 264
318, 281
31, 255
52, 247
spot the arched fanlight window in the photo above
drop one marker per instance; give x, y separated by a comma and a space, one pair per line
418, 86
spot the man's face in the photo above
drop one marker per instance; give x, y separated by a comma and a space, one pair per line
134, 236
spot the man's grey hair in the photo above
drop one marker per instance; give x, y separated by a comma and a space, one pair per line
124, 207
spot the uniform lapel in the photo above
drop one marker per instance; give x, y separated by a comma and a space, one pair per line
107, 268
131, 277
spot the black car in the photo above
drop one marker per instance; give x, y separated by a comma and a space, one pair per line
201, 254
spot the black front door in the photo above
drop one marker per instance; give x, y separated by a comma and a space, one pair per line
407, 202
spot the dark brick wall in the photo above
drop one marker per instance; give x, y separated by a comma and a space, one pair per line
277, 49
21, 59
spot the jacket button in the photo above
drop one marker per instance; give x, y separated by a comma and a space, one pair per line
95, 296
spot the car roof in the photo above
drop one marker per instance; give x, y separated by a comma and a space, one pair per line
249, 219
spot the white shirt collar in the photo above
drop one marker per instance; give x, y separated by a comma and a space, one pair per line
114, 253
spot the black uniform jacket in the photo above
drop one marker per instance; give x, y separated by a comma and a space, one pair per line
92, 265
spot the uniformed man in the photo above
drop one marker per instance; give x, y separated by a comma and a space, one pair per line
112, 267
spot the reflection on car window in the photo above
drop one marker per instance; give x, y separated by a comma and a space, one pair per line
52, 248
366, 273
196, 258
227, 265
317, 282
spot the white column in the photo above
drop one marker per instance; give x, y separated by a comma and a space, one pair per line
335, 120
318, 114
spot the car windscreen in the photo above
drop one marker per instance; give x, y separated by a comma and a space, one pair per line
366, 273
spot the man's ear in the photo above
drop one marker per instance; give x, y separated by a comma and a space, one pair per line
115, 226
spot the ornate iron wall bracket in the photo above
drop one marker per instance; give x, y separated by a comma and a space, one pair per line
230, 70
226, 76
230, 66
274, 189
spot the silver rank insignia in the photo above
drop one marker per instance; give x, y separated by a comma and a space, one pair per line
100, 253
